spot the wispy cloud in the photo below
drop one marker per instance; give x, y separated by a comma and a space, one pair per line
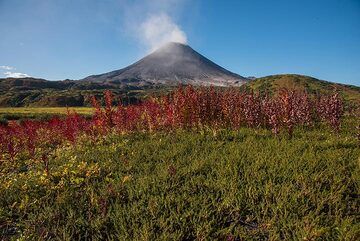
15, 75
6, 67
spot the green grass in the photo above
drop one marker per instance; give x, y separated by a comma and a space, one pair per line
21, 113
48, 110
187, 185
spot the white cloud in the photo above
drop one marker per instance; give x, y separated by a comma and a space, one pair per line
6, 67
15, 75
10, 74
160, 29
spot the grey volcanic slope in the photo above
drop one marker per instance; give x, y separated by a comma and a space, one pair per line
172, 64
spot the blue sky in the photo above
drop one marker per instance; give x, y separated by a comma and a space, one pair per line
73, 39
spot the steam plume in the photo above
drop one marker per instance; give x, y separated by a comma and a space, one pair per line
160, 29
151, 22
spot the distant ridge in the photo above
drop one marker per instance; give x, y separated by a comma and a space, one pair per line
40, 92
172, 64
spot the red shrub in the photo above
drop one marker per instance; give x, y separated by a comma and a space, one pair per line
330, 109
186, 107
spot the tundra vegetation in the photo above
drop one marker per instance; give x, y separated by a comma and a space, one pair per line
196, 164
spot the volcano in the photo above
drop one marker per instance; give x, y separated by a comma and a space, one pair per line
172, 64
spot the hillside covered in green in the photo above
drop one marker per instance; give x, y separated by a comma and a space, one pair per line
272, 84
31, 92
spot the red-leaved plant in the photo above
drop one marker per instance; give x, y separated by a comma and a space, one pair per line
186, 107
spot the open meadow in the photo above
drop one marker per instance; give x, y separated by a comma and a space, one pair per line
179, 120
24, 113
189, 166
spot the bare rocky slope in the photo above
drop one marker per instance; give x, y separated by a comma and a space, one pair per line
172, 64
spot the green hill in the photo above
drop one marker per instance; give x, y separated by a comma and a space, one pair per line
274, 83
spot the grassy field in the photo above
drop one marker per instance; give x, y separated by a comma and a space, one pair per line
18, 113
188, 185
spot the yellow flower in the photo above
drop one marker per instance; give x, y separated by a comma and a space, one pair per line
126, 178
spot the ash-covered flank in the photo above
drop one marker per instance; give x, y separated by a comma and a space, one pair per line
171, 64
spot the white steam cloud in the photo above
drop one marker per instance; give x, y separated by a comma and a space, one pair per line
159, 29
153, 22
